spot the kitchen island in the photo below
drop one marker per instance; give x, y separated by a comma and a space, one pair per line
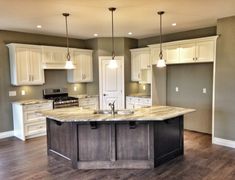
89, 140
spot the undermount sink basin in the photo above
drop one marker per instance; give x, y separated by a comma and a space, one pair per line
123, 112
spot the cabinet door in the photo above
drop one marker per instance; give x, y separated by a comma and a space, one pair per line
36, 70
145, 61
135, 66
54, 55
172, 54
87, 68
187, 53
22, 66
77, 73
205, 51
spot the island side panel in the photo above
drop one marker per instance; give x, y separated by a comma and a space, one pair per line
62, 141
168, 140
94, 142
132, 142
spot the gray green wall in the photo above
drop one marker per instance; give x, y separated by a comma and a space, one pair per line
197, 33
191, 79
53, 78
224, 80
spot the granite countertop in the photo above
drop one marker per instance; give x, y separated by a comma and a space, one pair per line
33, 101
77, 114
139, 95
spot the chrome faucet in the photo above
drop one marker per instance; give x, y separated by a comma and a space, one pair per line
112, 106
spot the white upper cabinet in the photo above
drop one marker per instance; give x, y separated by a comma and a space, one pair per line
198, 50
26, 64
83, 71
54, 57
172, 54
154, 53
205, 51
140, 60
186, 51
135, 67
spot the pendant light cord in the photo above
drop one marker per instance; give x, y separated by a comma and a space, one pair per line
160, 55
113, 53
160, 13
67, 36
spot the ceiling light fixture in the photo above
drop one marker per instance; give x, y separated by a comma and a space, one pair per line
173, 24
130, 33
95, 34
112, 63
39, 26
161, 62
69, 63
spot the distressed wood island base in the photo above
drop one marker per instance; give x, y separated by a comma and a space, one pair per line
110, 144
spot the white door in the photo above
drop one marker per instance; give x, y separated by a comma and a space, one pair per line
111, 83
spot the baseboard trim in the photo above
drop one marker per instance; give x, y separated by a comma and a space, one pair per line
6, 134
223, 142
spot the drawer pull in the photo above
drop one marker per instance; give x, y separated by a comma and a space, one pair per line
132, 124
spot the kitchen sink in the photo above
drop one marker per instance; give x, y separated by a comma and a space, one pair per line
122, 112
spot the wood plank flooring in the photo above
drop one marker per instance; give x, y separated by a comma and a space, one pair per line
202, 160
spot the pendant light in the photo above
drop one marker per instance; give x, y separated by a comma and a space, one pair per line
113, 63
161, 62
69, 63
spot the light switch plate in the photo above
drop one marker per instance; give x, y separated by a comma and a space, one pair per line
176, 89
12, 93
204, 90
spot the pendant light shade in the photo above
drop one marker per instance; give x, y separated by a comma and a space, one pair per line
161, 62
69, 63
113, 63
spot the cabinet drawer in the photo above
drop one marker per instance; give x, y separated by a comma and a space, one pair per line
36, 107
35, 128
32, 116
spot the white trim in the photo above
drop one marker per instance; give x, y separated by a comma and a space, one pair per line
213, 92
6, 134
223, 142
100, 80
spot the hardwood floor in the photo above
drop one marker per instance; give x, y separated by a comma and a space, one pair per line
202, 160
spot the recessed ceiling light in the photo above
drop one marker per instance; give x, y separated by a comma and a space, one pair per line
95, 35
173, 24
39, 26
130, 33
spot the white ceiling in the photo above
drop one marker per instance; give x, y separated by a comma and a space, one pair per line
92, 16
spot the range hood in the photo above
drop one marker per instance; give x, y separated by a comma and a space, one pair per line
53, 65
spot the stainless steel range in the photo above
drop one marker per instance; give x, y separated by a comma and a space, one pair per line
60, 97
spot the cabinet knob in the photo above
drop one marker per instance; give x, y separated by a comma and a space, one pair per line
104, 94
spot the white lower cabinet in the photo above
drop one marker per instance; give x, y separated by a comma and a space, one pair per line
137, 102
89, 102
27, 122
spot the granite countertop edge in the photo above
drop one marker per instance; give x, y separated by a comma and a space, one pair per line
139, 115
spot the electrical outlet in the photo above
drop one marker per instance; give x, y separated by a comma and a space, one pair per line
204, 90
12, 93
176, 89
